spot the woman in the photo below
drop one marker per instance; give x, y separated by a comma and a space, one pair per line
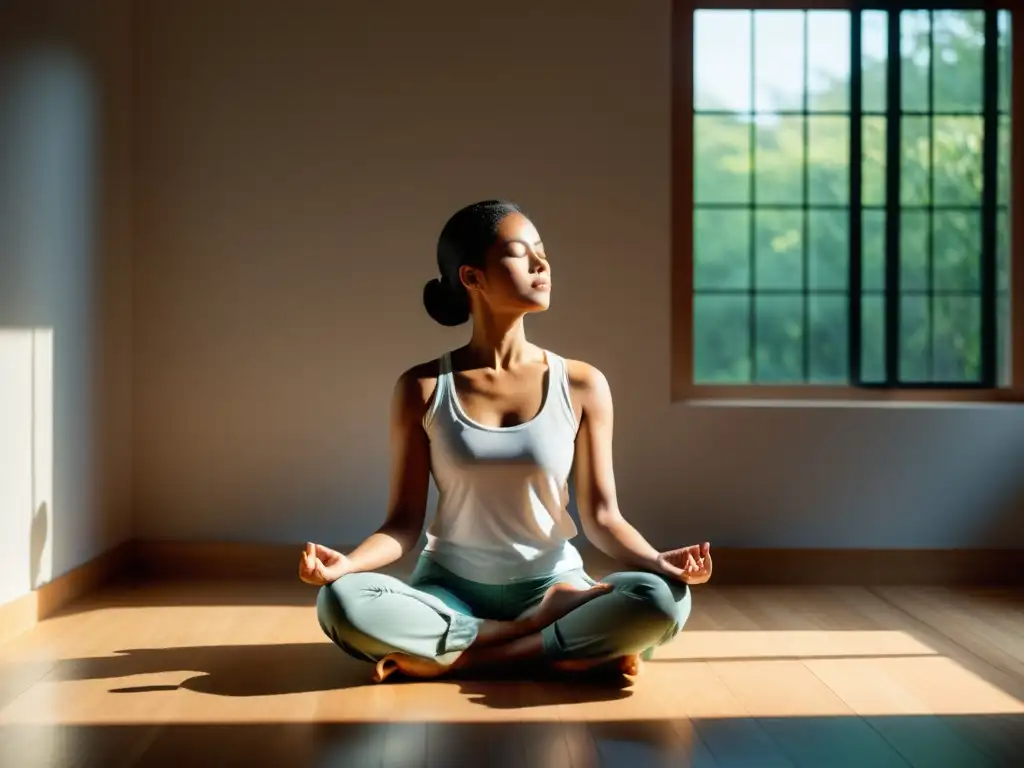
500, 424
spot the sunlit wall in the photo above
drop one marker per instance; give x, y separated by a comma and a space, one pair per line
65, 301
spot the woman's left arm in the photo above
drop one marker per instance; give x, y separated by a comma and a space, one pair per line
603, 523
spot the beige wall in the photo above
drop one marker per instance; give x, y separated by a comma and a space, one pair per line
65, 286
297, 161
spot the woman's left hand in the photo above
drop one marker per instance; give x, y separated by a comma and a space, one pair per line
691, 565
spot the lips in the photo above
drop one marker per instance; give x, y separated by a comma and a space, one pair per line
542, 285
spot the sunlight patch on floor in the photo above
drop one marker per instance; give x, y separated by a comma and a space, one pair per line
708, 675
762, 644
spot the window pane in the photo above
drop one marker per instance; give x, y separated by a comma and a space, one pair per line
828, 158
874, 52
829, 254
721, 61
778, 60
1005, 61
872, 339
915, 52
779, 256
721, 160
829, 339
779, 164
1003, 350
914, 248
915, 339
915, 161
872, 260
721, 339
828, 61
721, 249
1003, 154
957, 342
958, 142
959, 40
873, 170
780, 338
1003, 251
957, 250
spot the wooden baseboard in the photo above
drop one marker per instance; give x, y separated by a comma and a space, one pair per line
733, 566
144, 560
23, 613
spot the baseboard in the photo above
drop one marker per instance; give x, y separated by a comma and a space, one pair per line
144, 560
23, 613
733, 566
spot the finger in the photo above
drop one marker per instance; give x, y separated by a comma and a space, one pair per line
321, 572
324, 552
705, 548
672, 569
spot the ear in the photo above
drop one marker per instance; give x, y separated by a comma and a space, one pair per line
470, 277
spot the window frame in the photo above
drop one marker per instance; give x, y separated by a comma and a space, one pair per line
683, 387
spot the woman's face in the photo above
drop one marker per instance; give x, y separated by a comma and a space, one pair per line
517, 275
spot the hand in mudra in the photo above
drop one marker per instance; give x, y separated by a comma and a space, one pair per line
319, 565
691, 565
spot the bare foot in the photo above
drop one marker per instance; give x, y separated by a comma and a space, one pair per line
630, 665
627, 665
412, 666
562, 599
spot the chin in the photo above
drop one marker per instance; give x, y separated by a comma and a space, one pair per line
539, 304
531, 301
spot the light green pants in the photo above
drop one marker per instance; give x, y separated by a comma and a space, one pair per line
436, 614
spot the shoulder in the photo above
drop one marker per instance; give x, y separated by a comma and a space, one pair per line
415, 387
589, 384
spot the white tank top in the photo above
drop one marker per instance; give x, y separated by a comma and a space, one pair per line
503, 492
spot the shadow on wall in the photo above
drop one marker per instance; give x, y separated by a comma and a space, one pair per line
37, 544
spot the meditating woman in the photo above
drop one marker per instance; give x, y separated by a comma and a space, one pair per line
502, 425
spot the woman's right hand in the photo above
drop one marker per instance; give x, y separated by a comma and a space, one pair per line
319, 565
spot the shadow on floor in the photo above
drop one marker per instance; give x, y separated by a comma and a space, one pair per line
270, 670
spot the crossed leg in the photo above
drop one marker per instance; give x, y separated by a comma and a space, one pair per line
428, 631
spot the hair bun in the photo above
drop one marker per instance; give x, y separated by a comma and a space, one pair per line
444, 305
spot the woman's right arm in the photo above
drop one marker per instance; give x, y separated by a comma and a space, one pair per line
409, 482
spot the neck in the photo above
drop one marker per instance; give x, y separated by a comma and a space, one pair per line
498, 341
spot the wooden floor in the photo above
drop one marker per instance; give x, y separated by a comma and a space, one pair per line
225, 674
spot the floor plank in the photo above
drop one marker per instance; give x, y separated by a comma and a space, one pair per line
224, 674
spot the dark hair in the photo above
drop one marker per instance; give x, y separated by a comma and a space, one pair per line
464, 241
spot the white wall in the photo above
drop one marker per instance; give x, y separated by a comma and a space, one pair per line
297, 162
65, 286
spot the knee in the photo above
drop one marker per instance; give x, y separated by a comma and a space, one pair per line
337, 602
338, 606
653, 599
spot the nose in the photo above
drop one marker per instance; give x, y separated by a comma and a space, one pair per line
537, 264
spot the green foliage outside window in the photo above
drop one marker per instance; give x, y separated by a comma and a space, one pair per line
772, 186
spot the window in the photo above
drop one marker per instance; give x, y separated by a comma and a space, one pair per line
849, 200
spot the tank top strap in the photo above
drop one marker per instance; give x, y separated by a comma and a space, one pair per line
559, 373
442, 388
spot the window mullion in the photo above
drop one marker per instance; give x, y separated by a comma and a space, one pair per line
856, 225
989, 176
892, 202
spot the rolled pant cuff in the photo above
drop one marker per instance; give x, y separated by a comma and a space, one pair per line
462, 632
554, 648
